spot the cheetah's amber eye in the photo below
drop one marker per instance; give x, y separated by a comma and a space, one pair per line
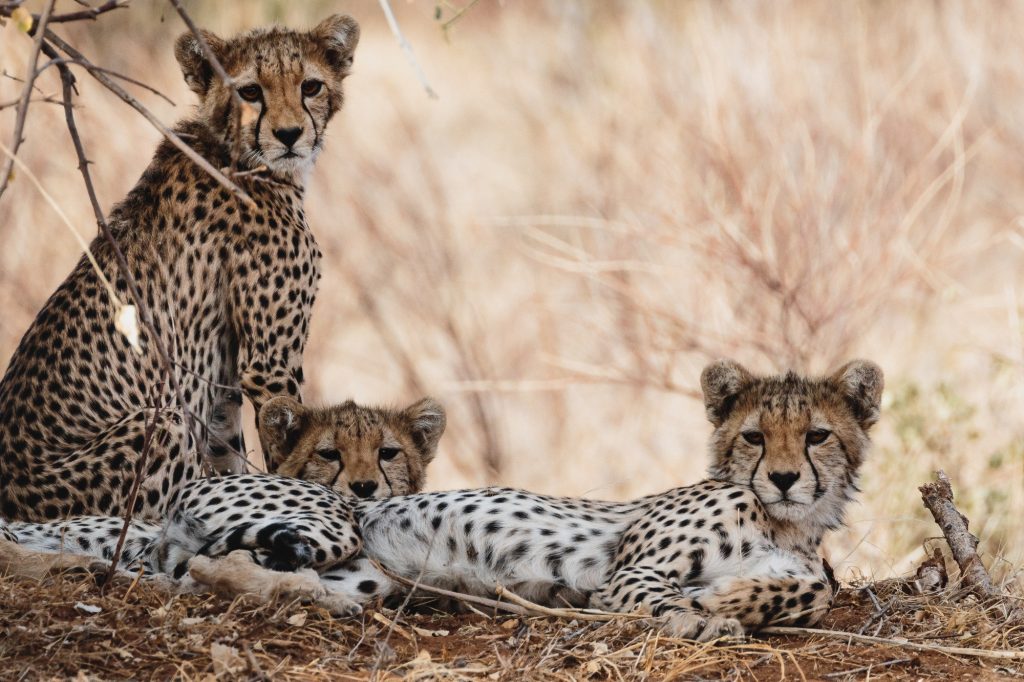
753, 437
250, 93
311, 87
329, 455
388, 453
817, 436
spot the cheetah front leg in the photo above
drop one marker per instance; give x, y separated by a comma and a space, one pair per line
758, 602
226, 444
728, 607
651, 590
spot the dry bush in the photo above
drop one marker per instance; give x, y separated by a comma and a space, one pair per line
607, 195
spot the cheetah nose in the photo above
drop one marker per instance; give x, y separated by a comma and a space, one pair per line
363, 488
288, 135
784, 480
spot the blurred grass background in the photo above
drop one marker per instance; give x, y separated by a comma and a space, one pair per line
606, 196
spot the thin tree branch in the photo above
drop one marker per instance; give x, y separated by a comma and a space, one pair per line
225, 78
133, 495
26, 94
168, 363
406, 48
110, 72
171, 136
89, 14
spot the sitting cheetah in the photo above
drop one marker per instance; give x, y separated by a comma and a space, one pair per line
342, 451
230, 287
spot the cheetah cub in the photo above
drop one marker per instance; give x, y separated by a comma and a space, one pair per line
729, 555
341, 451
356, 450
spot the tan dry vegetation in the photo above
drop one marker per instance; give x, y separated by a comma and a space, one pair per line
607, 195
63, 627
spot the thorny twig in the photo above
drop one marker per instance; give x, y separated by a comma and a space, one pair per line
145, 315
170, 135
26, 95
133, 495
225, 78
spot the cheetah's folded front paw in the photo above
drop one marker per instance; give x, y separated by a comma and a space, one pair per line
701, 627
289, 551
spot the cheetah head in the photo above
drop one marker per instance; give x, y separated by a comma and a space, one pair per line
797, 442
356, 450
290, 84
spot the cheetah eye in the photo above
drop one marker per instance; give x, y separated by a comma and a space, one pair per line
388, 453
817, 436
329, 455
250, 93
311, 87
753, 437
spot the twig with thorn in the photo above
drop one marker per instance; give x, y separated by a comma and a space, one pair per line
39, 27
218, 68
171, 136
133, 494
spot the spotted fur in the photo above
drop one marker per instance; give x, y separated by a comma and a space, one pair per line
288, 523
731, 554
230, 287
726, 556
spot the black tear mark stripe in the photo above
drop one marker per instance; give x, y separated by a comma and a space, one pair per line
757, 466
380, 466
818, 490
257, 147
312, 122
341, 468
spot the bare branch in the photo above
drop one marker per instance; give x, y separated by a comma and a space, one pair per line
39, 27
407, 48
225, 78
89, 14
133, 495
172, 137
167, 362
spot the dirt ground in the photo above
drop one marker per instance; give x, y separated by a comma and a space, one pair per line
65, 628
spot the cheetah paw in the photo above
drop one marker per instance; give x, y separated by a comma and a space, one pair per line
289, 551
702, 627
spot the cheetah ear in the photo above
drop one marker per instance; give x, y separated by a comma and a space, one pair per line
194, 64
722, 381
280, 421
861, 383
339, 35
426, 420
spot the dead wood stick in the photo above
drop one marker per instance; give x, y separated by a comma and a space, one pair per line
938, 498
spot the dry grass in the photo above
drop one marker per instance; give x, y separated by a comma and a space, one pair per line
65, 627
605, 196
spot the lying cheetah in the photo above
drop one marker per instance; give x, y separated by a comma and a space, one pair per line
342, 451
731, 554
230, 287
734, 553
